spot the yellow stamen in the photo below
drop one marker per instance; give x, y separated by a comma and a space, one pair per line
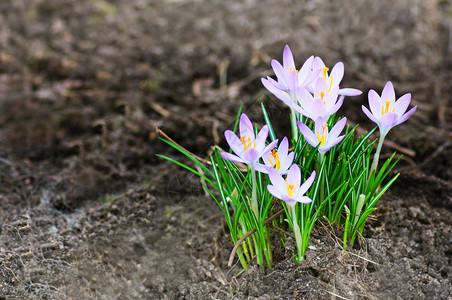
247, 144
322, 94
277, 163
322, 138
325, 69
331, 83
385, 108
291, 188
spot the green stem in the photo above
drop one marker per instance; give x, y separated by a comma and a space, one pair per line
242, 259
296, 230
255, 208
347, 224
293, 118
254, 205
245, 249
268, 248
258, 248
322, 182
377, 154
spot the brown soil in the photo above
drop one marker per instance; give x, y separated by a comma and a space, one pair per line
87, 210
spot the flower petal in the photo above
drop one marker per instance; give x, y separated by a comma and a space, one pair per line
303, 96
300, 110
318, 63
318, 109
269, 84
349, 92
337, 128
294, 176
231, 157
251, 156
269, 148
388, 93
304, 200
275, 84
283, 148
308, 134
337, 106
280, 73
369, 114
321, 86
274, 191
389, 119
276, 179
331, 143
261, 138
375, 103
261, 168
407, 115
402, 104
293, 80
288, 61
246, 127
287, 163
337, 73
234, 142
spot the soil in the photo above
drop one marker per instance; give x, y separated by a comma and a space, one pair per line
87, 209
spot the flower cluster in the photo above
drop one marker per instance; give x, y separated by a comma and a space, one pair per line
313, 93
326, 173
314, 97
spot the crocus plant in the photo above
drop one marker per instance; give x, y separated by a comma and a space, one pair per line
291, 191
326, 173
248, 149
386, 112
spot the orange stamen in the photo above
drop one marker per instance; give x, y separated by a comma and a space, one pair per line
277, 163
325, 69
247, 144
385, 108
291, 189
322, 138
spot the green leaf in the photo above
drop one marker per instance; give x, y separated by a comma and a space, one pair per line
187, 167
267, 121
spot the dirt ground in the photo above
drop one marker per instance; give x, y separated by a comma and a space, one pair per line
87, 210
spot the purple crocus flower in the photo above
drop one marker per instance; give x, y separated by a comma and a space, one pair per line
385, 111
248, 148
290, 190
324, 103
289, 78
279, 159
326, 139
334, 78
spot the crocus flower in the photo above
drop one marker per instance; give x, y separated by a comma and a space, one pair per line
290, 190
289, 78
385, 111
326, 139
279, 159
248, 148
323, 103
334, 78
